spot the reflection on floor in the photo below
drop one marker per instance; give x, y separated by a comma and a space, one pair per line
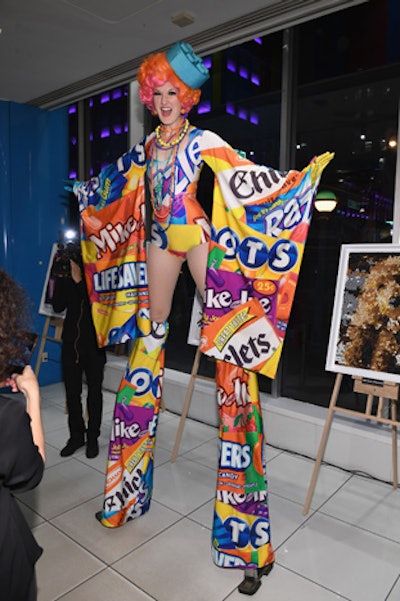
347, 547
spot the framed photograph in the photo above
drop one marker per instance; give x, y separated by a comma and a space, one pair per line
365, 330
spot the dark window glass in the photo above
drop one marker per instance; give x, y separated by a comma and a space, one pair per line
73, 216
347, 103
106, 136
73, 140
361, 38
106, 130
107, 127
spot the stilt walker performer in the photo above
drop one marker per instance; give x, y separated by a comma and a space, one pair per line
245, 266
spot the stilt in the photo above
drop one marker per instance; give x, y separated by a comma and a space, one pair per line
252, 579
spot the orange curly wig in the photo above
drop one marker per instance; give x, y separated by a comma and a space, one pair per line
155, 71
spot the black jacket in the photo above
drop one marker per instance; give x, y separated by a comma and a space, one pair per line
78, 324
21, 469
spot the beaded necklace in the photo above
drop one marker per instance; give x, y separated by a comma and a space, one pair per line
162, 175
174, 139
162, 171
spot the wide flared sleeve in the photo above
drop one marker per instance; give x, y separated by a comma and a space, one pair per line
113, 240
260, 221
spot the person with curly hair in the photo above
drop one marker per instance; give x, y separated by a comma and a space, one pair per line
22, 447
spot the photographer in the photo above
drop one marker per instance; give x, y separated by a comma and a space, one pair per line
22, 447
80, 355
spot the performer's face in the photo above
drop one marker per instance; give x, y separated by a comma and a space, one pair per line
167, 104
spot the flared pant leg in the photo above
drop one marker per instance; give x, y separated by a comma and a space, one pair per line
129, 477
241, 529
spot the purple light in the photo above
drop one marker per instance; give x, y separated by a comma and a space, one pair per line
91, 102
105, 132
243, 72
73, 140
126, 128
231, 65
91, 136
72, 109
254, 119
230, 109
258, 41
242, 114
117, 129
116, 94
91, 171
105, 98
255, 79
204, 107
72, 175
207, 62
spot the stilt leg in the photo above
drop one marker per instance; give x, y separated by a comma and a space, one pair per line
241, 529
252, 579
129, 478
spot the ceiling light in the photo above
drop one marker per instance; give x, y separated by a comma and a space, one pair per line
182, 19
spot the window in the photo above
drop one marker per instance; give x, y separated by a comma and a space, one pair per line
346, 99
347, 103
105, 123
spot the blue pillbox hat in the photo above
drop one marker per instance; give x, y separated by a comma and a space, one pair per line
187, 65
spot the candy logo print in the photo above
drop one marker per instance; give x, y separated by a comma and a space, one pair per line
120, 277
235, 456
141, 380
110, 237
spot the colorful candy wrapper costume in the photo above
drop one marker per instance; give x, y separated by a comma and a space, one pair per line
236, 297
260, 221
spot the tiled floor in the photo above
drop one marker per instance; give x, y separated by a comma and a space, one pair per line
347, 547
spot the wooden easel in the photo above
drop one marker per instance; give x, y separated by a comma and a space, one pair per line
57, 323
186, 404
372, 388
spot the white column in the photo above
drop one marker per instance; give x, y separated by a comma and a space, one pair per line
135, 115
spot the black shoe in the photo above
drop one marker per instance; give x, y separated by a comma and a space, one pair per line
71, 447
92, 449
252, 579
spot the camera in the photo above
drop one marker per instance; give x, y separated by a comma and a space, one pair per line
61, 267
27, 346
